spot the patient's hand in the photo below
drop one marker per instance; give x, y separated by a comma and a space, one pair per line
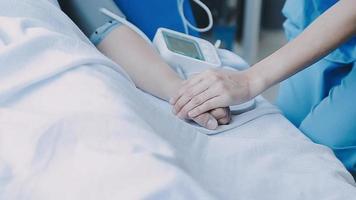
211, 120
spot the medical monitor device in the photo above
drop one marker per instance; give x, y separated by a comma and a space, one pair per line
181, 49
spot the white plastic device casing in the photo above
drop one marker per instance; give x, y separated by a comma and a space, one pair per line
211, 58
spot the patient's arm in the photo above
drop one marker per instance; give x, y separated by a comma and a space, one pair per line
123, 46
149, 72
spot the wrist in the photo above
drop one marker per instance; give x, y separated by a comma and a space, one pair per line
256, 81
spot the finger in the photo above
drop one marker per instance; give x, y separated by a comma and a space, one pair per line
192, 96
219, 113
196, 101
224, 121
223, 115
186, 85
206, 106
206, 120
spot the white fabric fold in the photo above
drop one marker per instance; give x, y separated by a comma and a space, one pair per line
73, 128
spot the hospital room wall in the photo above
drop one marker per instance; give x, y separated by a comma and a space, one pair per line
251, 28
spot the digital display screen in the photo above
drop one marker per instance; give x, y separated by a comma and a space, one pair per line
183, 46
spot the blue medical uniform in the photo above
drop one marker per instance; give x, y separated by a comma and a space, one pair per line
153, 14
321, 100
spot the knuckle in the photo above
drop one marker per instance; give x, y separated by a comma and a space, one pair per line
196, 101
204, 118
225, 120
198, 109
219, 112
207, 105
183, 110
179, 105
224, 112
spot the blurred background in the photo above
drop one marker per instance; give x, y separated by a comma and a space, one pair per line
251, 28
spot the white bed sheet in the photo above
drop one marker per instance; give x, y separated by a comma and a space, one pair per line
73, 128
88, 134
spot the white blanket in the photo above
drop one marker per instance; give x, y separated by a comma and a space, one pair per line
73, 128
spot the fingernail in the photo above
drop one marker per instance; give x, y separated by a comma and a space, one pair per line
174, 111
212, 124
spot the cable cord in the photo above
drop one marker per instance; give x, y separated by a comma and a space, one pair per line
186, 22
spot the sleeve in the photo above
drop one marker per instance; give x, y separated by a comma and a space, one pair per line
90, 20
332, 122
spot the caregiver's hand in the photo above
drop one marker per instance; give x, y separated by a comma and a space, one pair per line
211, 89
210, 119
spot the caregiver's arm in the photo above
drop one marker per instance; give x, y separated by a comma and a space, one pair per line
326, 33
223, 88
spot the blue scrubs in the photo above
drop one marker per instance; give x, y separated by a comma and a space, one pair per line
321, 100
150, 15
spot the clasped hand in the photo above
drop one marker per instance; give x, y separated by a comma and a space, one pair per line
212, 91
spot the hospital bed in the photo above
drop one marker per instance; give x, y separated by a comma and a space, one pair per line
71, 127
